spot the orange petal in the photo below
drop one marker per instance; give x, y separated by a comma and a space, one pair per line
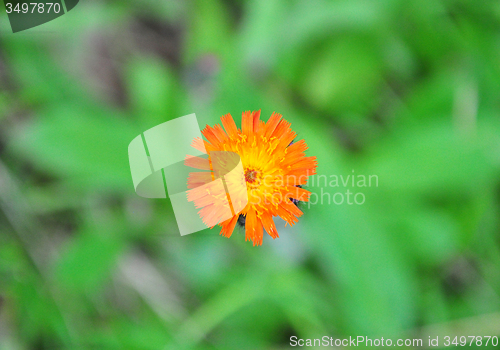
268, 223
228, 226
282, 127
256, 116
211, 136
199, 144
301, 163
198, 179
197, 162
298, 193
219, 133
297, 148
289, 212
258, 233
272, 123
229, 125
247, 123
250, 224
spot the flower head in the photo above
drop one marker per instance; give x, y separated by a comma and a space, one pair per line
275, 168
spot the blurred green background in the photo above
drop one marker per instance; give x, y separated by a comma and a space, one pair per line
407, 90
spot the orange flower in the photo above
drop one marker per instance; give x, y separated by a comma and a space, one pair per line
275, 169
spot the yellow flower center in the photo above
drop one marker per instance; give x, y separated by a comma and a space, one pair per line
253, 178
250, 175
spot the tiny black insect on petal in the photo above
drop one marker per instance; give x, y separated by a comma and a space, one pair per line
241, 220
